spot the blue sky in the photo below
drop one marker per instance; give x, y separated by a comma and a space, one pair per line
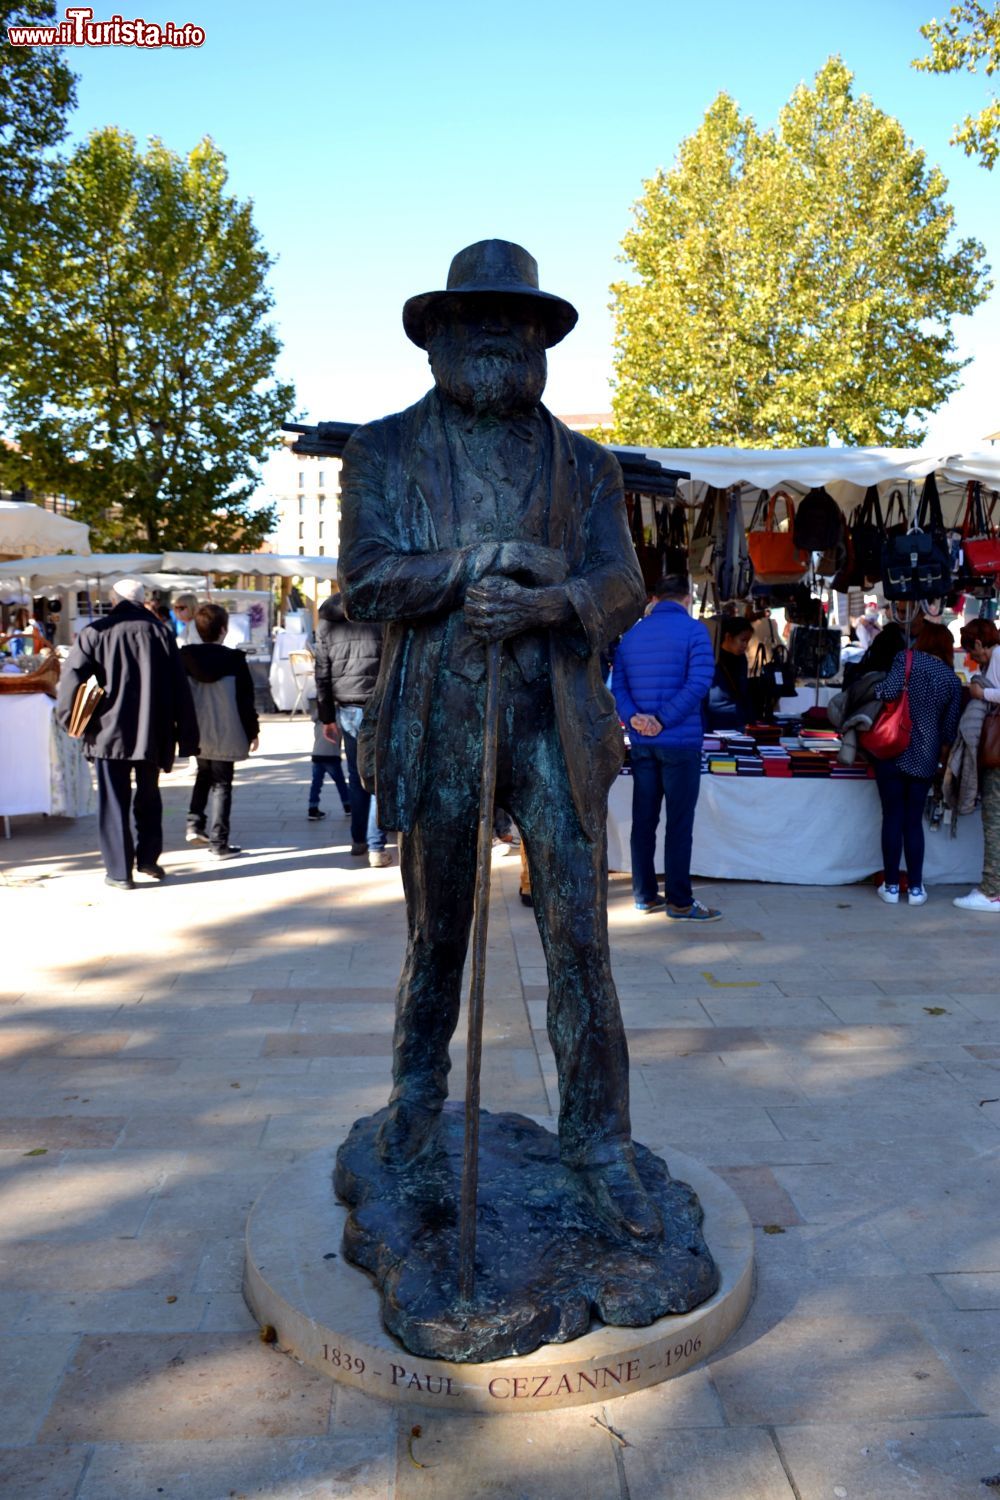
377, 139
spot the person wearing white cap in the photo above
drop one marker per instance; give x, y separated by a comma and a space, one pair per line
145, 713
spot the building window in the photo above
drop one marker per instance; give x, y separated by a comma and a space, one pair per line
322, 479
302, 530
322, 551
302, 505
302, 552
320, 504
321, 528
302, 479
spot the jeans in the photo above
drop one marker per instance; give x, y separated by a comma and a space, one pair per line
212, 801
903, 799
323, 766
364, 813
662, 773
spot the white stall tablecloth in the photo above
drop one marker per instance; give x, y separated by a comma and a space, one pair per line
25, 762
795, 832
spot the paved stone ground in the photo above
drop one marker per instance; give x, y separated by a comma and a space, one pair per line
165, 1052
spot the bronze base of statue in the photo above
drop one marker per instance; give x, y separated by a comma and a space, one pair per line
548, 1265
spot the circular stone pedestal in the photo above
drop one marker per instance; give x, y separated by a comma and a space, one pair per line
327, 1312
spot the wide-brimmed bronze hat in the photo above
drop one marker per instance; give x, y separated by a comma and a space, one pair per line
490, 268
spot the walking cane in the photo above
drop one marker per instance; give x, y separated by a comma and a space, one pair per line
477, 980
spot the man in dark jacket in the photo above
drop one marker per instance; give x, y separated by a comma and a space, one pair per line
348, 653
146, 712
662, 673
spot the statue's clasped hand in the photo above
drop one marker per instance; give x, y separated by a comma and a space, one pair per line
496, 608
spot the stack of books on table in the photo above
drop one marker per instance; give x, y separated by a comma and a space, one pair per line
775, 760
809, 763
722, 765
862, 770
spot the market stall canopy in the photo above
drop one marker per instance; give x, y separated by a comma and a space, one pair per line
108, 565
268, 564
69, 567
845, 472
27, 530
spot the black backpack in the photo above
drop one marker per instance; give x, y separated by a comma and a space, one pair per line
915, 563
819, 525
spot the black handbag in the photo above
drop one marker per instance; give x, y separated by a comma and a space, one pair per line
815, 651
866, 530
777, 674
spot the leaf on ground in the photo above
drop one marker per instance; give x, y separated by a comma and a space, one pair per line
171, 1299
773, 1228
936, 1010
38, 1151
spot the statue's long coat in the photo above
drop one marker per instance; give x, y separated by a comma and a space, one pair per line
401, 562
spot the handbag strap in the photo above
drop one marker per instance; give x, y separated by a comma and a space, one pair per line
896, 499
871, 509
929, 514
789, 509
758, 519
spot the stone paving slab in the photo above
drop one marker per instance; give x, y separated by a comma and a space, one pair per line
168, 1049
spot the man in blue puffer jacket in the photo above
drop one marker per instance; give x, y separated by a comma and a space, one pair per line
662, 673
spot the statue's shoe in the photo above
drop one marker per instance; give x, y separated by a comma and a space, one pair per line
617, 1193
406, 1132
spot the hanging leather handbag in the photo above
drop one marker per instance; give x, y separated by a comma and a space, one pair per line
774, 555
672, 538
989, 741
890, 735
703, 538
815, 651
867, 537
779, 674
980, 541
733, 570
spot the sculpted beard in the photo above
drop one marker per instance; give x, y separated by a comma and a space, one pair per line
501, 380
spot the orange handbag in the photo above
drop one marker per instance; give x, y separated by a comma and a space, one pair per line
774, 555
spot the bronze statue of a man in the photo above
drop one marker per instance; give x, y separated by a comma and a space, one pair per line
475, 517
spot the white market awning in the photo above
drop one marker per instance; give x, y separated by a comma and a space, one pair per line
268, 564
28, 530
108, 566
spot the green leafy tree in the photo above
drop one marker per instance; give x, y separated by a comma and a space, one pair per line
136, 362
970, 36
791, 286
36, 93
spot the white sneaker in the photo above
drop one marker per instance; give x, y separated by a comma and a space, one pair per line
378, 859
916, 896
889, 894
976, 901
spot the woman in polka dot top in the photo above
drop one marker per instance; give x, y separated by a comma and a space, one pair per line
903, 783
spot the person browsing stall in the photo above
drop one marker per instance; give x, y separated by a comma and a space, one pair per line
904, 781
222, 689
662, 672
981, 639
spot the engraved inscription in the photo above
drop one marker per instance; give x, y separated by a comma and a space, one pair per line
600, 1378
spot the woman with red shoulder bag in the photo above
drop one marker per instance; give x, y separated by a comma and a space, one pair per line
927, 676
